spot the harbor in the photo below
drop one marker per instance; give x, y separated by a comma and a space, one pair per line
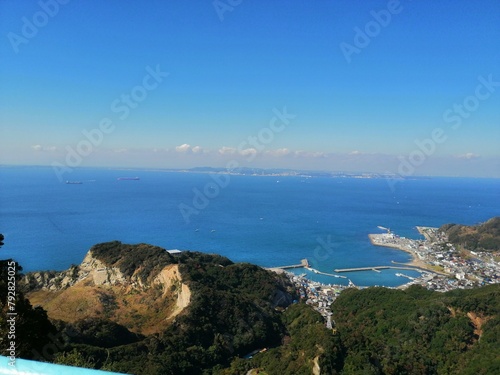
438, 265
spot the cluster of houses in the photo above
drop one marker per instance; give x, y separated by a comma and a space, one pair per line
462, 269
448, 267
319, 296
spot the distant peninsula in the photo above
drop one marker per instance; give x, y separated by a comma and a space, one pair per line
277, 172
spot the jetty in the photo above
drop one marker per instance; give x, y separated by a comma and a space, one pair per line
324, 273
304, 263
376, 269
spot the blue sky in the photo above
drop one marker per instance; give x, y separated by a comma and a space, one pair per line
231, 67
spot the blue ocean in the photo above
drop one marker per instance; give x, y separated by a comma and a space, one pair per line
266, 220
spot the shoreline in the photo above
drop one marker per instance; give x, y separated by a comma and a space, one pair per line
414, 262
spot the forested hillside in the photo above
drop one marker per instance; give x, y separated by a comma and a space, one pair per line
483, 237
237, 309
386, 331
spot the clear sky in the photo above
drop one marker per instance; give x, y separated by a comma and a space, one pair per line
361, 83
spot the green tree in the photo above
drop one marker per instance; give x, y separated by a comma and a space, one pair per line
33, 330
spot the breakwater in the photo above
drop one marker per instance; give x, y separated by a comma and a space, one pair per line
376, 268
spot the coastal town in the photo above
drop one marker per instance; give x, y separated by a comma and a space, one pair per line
441, 265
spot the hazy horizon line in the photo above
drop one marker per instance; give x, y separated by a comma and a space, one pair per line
387, 175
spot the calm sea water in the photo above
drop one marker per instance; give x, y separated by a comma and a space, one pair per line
269, 221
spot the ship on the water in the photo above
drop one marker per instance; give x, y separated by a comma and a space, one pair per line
128, 178
74, 182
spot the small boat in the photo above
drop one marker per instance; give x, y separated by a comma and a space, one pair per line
74, 182
128, 178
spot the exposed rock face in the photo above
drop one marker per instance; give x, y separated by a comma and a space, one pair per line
91, 268
95, 289
171, 279
99, 272
50, 280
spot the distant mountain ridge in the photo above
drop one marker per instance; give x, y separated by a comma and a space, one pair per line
482, 237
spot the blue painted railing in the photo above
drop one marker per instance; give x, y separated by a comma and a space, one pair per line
25, 367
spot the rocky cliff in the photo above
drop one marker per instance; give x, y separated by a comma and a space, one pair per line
97, 289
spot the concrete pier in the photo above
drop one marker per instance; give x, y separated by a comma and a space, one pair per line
377, 268
304, 263
339, 270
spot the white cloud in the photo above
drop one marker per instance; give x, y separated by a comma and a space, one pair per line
319, 155
183, 148
279, 152
40, 148
300, 153
355, 152
307, 154
469, 156
227, 150
248, 151
188, 149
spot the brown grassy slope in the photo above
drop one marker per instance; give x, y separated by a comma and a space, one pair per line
143, 310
